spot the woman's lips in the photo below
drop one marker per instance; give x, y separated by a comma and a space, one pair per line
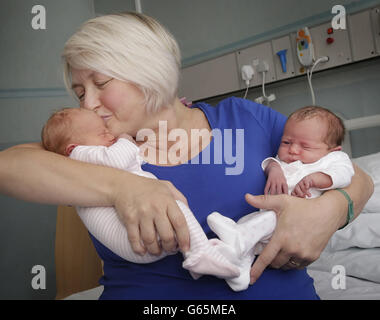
105, 118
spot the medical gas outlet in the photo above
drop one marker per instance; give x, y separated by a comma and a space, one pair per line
304, 45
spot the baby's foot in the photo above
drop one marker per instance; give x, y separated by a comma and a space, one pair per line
227, 231
243, 262
209, 261
255, 230
246, 233
241, 282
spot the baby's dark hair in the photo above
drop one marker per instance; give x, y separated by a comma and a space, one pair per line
54, 134
335, 126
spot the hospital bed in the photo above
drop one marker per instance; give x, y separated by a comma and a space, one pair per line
348, 268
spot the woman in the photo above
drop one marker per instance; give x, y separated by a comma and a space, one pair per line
126, 68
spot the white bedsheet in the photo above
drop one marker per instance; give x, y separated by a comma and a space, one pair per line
356, 289
360, 262
356, 248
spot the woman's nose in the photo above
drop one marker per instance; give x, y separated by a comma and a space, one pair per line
91, 101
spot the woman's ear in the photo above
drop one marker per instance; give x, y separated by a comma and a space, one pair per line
69, 149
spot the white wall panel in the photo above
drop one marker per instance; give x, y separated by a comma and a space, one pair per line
278, 45
253, 56
339, 51
210, 78
362, 41
375, 19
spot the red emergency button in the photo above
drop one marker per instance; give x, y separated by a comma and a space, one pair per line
330, 31
329, 40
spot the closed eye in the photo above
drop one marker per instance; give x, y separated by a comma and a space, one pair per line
79, 94
102, 84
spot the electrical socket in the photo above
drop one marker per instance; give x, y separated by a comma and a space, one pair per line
263, 66
247, 73
259, 100
267, 100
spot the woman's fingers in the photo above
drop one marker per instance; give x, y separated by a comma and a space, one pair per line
280, 260
166, 233
275, 203
133, 230
149, 236
152, 217
264, 259
179, 224
299, 238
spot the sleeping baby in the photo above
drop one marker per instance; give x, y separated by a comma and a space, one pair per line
82, 135
309, 161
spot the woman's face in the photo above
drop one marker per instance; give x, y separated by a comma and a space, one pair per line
120, 104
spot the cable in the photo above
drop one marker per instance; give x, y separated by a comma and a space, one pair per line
246, 91
263, 86
265, 98
247, 73
309, 73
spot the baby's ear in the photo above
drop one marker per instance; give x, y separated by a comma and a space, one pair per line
69, 149
337, 148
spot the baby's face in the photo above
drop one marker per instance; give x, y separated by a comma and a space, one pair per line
90, 130
303, 140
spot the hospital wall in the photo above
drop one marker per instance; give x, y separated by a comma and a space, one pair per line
31, 87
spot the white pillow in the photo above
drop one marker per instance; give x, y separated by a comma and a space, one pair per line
363, 232
371, 165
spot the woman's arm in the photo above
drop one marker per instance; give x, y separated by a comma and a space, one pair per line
31, 173
304, 226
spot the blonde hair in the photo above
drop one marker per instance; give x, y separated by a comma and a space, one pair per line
130, 47
335, 126
56, 133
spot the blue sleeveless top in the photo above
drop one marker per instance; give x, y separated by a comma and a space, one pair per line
216, 180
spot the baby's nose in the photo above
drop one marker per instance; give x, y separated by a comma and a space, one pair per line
91, 102
294, 148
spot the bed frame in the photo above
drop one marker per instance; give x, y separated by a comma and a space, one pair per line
78, 267
355, 124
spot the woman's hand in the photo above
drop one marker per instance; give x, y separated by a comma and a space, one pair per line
304, 227
148, 210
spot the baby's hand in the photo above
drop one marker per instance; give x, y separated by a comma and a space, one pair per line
127, 136
276, 182
314, 180
301, 190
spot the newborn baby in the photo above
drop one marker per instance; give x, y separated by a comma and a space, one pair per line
309, 161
